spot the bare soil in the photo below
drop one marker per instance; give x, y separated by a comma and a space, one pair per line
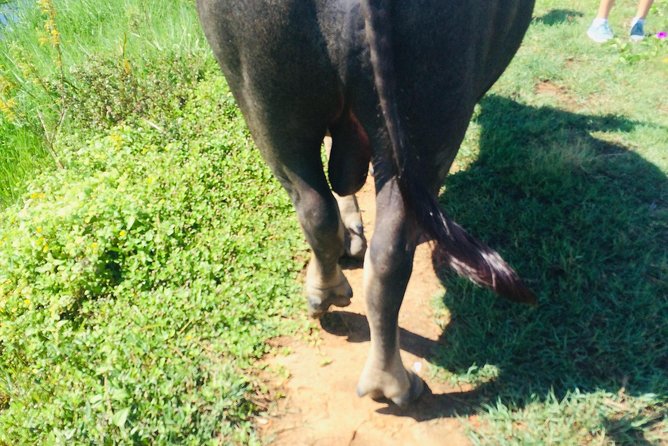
320, 405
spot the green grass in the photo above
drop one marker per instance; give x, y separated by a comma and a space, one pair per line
100, 28
138, 285
21, 154
564, 171
109, 33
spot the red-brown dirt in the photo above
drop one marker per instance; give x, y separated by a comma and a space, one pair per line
320, 405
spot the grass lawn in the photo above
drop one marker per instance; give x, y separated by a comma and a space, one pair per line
140, 281
564, 171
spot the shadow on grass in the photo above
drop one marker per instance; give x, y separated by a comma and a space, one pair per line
558, 16
584, 220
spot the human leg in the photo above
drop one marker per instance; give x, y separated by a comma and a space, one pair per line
600, 30
638, 23
643, 8
604, 9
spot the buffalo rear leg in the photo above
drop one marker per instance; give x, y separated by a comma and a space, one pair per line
276, 64
354, 239
355, 242
387, 268
295, 160
325, 283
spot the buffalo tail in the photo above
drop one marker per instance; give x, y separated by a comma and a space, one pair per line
467, 256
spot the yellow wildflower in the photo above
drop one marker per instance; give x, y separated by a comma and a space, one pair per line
5, 85
52, 35
7, 108
43, 40
26, 70
122, 233
55, 36
117, 139
44, 6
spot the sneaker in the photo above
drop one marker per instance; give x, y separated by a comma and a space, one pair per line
600, 32
637, 31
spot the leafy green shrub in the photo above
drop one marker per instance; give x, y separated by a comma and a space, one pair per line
104, 92
139, 283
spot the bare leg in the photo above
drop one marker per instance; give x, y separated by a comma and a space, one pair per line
604, 9
643, 8
600, 30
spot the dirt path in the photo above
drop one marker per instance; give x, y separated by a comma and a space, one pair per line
320, 405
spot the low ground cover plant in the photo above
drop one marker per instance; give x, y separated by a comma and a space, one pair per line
138, 284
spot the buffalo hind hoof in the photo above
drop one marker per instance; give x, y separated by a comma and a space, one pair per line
402, 399
414, 391
338, 296
355, 243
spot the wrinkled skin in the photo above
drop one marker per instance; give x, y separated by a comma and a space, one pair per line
301, 68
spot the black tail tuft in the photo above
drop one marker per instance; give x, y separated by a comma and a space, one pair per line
469, 257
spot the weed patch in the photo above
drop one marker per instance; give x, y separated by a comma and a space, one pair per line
71, 68
137, 285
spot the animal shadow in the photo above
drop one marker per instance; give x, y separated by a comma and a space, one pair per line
355, 327
558, 16
584, 220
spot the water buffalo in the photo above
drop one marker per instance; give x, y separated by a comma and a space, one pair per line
395, 84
